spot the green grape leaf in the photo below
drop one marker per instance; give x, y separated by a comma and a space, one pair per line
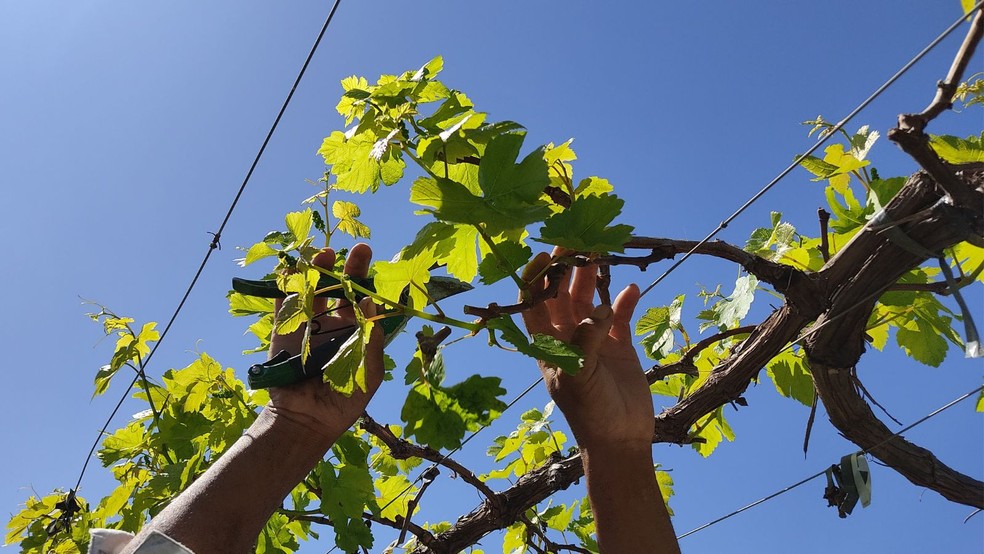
883, 190
294, 311
514, 540
243, 305
123, 444
347, 491
449, 112
956, 150
514, 256
347, 214
791, 377
299, 225
713, 428
584, 226
924, 325
559, 153
433, 418
390, 489
479, 397
351, 450
276, 536
658, 324
862, 141
351, 104
454, 203
818, 167
500, 177
772, 243
877, 329
460, 260
347, 370
727, 313
440, 416
980, 401
559, 517
593, 186
837, 165
392, 278
665, 482
451, 201
256, 252
362, 162
970, 258
848, 216
920, 340
552, 351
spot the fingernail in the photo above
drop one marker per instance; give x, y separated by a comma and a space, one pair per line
602, 312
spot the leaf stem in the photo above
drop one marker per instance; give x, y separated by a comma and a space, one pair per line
503, 262
417, 161
406, 310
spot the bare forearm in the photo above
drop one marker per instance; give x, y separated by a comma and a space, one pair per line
629, 512
227, 507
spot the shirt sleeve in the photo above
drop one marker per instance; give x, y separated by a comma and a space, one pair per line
111, 541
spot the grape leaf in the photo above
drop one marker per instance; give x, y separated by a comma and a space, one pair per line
440, 416
347, 214
391, 278
791, 377
358, 164
346, 493
584, 226
493, 268
565, 356
956, 150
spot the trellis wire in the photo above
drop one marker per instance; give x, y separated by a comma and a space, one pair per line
216, 236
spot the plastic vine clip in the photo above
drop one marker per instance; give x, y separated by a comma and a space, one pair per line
847, 483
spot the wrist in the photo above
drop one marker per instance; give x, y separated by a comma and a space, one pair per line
618, 451
298, 429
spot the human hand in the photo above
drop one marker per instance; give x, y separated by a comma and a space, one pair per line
608, 402
311, 402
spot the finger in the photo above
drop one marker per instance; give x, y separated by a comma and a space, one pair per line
591, 333
537, 318
560, 305
356, 265
374, 349
583, 290
324, 259
623, 308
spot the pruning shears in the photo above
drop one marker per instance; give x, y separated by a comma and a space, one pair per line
285, 369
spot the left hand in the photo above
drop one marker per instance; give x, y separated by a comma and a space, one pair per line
312, 403
608, 403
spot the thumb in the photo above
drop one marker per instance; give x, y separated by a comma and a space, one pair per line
591, 333
374, 348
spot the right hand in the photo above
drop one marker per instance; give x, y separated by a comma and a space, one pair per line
608, 402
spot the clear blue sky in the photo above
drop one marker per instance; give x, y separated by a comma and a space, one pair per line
126, 128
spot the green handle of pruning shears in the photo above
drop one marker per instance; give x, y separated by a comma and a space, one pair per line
267, 288
284, 369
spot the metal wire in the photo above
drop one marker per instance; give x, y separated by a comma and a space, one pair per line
460, 446
821, 472
840, 125
216, 236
